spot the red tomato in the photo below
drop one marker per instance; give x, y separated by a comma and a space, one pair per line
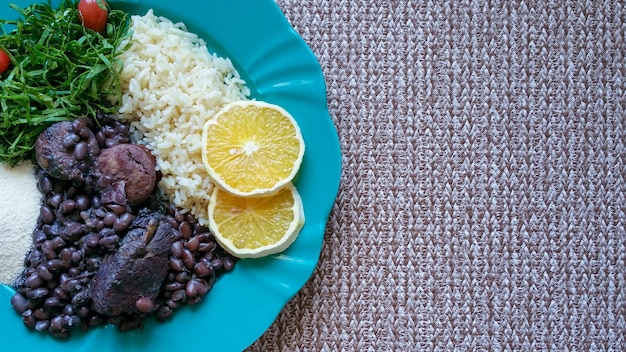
5, 61
92, 15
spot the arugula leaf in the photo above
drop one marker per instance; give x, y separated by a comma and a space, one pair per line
60, 70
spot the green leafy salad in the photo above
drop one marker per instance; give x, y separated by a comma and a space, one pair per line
59, 70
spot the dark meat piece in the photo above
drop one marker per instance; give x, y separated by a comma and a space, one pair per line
131, 165
115, 193
65, 153
136, 271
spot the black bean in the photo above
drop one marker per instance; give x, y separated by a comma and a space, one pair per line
107, 232
57, 242
164, 312
50, 285
176, 264
61, 294
51, 303
63, 278
207, 247
47, 229
47, 248
85, 214
55, 200
173, 286
70, 192
203, 287
125, 220
82, 202
44, 184
70, 140
185, 229
92, 264
109, 219
74, 230
80, 150
44, 273
144, 304
191, 220
90, 223
72, 286
54, 265
32, 258
202, 269
172, 303
111, 142
122, 222
56, 323
117, 209
100, 212
67, 206
180, 217
71, 321
91, 239
56, 229
217, 264
193, 243
109, 242
42, 325
46, 215
81, 299
66, 256
37, 293
97, 320
84, 133
205, 236
181, 277
177, 249
188, 259
170, 209
101, 138
38, 237
28, 318
33, 281
83, 311
192, 287
67, 310
199, 229
19, 302
78, 125
40, 314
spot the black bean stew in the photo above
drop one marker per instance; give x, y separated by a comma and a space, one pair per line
79, 230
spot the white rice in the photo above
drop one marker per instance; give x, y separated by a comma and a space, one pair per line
172, 86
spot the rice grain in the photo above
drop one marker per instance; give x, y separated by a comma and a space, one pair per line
172, 86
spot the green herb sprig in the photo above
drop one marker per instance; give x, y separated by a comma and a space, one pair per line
59, 71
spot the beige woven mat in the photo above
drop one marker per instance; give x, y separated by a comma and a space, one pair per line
483, 195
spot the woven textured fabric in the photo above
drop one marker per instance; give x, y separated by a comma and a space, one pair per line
483, 195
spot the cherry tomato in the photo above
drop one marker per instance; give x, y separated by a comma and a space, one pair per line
94, 14
5, 61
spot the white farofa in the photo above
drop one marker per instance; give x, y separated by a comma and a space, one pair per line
172, 86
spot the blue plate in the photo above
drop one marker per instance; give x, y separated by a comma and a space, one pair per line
279, 68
